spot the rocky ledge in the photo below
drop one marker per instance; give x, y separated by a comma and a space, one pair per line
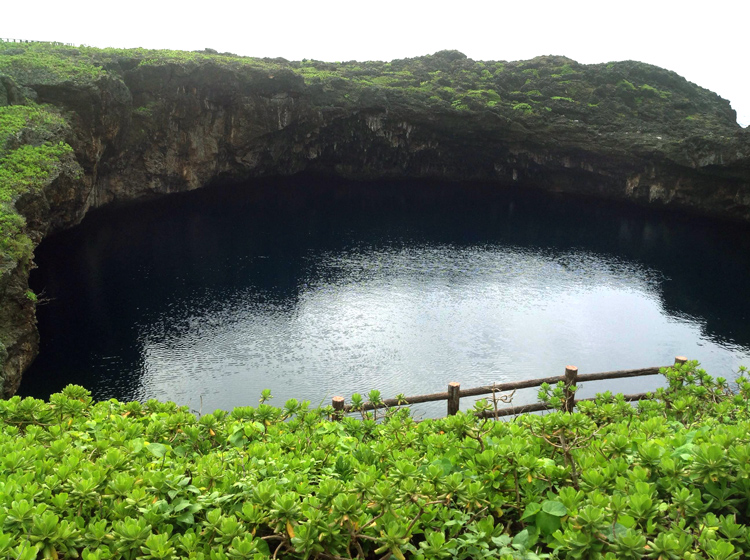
115, 125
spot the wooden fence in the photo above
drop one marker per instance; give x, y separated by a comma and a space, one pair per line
454, 394
6, 40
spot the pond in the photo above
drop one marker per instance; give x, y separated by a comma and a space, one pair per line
314, 288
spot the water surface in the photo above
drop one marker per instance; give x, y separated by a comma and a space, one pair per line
315, 288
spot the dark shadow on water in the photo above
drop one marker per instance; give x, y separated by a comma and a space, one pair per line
181, 262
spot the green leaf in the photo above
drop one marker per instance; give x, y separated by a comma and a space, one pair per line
186, 518
522, 538
137, 446
619, 531
263, 548
157, 449
546, 523
180, 504
4, 542
554, 508
444, 464
251, 428
502, 540
180, 450
531, 510
237, 439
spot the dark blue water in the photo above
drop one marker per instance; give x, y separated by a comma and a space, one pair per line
315, 288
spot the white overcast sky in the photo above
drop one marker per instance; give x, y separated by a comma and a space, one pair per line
706, 42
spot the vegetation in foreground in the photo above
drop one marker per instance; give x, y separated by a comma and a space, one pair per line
666, 480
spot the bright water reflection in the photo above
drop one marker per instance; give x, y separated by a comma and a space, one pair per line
327, 295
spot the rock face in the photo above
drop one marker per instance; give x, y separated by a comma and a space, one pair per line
143, 124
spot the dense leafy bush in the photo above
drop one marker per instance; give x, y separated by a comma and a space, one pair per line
45, 63
668, 479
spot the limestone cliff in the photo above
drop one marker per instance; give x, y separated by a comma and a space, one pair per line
143, 123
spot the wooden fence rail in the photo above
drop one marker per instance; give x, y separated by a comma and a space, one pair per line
454, 394
6, 40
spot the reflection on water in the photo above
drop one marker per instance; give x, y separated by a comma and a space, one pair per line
315, 289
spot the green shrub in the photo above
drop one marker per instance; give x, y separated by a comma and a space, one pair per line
668, 478
653, 92
25, 167
564, 70
45, 63
523, 108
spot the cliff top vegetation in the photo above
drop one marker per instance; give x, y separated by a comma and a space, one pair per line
545, 89
627, 106
31, 150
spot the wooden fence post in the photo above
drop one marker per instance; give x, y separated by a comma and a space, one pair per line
680, 360
454, 397
571, 373
338, 408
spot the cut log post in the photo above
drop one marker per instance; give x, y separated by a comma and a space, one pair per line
454, 397
338, 408
571, 373
680, 360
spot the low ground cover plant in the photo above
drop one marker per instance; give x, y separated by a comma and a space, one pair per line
667, 480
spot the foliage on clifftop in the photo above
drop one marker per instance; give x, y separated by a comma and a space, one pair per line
546, 90
31, 150
667, 480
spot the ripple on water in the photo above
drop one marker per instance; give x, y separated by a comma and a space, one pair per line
409, 322
313, 296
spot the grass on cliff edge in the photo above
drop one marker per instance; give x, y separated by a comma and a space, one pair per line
632, 94
29, 154
667, 480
